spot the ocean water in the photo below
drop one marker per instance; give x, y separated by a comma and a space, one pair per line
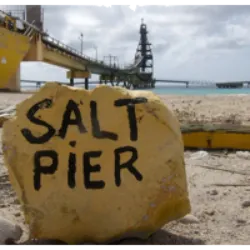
174, 90
199, 91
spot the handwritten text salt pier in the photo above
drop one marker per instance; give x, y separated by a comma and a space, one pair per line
97, 132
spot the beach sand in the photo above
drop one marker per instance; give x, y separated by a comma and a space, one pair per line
223, 217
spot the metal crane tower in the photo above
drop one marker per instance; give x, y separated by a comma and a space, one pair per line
145, 73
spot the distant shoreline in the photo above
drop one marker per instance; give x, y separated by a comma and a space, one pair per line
172, 90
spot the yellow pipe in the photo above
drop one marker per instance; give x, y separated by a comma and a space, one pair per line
217, 140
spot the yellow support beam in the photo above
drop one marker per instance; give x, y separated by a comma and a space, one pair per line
13, 48
57, 58
35, 52
78, 74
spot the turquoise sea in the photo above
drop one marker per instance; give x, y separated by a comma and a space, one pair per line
175, 90
199, 91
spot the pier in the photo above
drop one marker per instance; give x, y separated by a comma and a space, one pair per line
232, 85
31, 37
137, 75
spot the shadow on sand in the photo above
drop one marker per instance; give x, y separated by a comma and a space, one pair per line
161, 237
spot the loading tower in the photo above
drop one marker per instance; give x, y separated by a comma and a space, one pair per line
145, 73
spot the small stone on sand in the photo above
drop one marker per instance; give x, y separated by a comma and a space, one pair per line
9, 230
245, 204
189, 219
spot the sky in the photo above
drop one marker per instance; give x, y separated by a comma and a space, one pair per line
188, 42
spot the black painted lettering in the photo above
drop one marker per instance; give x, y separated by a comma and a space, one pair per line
96, 131
72, 170
88, 169
72, 144
39, 169
71, 107
46, 103
130, 103
128, 164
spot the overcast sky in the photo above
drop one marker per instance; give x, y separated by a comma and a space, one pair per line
188, 42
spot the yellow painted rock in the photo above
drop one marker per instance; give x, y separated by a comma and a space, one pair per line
6, 114
4, 118
96, 165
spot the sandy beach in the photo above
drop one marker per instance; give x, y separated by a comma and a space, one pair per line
221, 213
